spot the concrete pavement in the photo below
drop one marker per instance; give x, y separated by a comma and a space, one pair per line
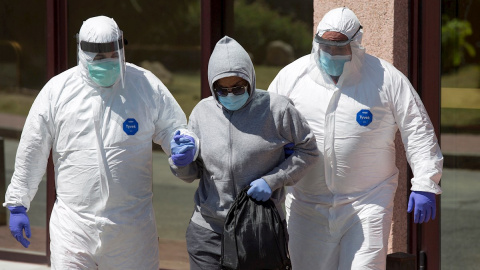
8, 265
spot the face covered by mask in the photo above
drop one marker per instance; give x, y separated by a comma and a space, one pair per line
233, 102
333, 64
104, 72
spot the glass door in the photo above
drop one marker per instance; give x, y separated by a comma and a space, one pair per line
23, 65
460, 134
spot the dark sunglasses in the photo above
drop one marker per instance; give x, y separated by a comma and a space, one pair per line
236, 90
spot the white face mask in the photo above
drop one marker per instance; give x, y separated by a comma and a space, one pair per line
333, 64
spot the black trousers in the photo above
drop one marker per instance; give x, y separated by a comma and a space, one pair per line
204, 248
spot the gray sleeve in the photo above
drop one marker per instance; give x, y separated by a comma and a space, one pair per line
294, 129
187, 173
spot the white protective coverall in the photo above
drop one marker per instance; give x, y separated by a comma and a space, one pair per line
101, 142
339, 215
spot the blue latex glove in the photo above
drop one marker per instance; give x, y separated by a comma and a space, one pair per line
183, 149
259, 190
425, 206
18, 222
288, 148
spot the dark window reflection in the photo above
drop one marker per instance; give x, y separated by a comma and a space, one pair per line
274, 33
460, 134
22, 74
22, 54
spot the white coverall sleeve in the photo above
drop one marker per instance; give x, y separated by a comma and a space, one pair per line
32, 153
418, 136
193, 170
277, 83
273, 85
170, 119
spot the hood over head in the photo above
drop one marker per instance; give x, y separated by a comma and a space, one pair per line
341, 20
98, 35
228, 59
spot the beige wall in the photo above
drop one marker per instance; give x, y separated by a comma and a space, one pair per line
385, 35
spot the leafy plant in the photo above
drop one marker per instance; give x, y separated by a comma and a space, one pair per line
454, 43
256, 25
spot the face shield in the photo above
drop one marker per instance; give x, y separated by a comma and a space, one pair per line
331, 52
105, 68
101, 51
331, 55
334, 47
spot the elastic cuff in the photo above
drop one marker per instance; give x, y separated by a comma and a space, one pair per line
17, 209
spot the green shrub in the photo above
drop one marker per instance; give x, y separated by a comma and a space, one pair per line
256, 25
454, 43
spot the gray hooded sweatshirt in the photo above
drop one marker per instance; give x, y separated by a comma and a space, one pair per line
238, 147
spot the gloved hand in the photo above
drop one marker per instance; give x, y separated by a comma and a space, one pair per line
183, 149
288, 148
425, 206
259, 190
18, 222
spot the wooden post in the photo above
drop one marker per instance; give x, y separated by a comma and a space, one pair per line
217, 21
3, 210
400, 261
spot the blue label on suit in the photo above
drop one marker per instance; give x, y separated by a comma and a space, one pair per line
130, 126
364, 117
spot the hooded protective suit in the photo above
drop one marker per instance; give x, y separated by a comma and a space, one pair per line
101, 142
238, 147
339, 215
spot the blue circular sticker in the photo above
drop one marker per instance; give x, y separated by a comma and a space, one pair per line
364, 117
130, 126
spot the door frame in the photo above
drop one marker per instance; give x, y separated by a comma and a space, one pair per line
425, 75
217, 20
57, 62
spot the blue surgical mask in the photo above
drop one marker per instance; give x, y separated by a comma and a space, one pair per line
104, 72
233, 102
333, 64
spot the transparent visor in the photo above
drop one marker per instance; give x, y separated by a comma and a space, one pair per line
335, 47
336, 50
105, 48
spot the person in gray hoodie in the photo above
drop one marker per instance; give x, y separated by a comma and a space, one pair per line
242, 132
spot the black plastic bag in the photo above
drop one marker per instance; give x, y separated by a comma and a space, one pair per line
254, 236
